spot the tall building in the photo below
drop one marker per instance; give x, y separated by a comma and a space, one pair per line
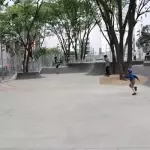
142, 21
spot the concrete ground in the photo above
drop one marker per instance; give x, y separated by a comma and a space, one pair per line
73, 112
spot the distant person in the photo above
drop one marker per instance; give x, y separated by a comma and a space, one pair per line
107, 66
147, 54
55, 58
134, 55
58, 64
132, 78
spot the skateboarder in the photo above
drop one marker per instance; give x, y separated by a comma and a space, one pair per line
132, 78
134, 55
57, 66
107, 66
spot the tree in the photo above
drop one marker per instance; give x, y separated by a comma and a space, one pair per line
144, 40
71, 21
45, 51
6, 36
98, 19
134, 12
112, 11
24, 22
88, 23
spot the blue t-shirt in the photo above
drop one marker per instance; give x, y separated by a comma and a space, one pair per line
131, 76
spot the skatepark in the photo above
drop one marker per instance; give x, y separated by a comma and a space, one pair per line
72, 110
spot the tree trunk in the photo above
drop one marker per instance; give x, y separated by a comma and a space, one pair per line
27, 62
68, 55
113, 59
121, 72
28, 56
85, 47
76, 54
131, 23
82, 49
130, 39
24, 60
119, 50
121, 60
121, 32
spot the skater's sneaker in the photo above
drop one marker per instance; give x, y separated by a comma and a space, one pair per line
134, 94
135, 88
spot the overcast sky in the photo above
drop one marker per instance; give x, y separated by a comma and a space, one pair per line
95, 40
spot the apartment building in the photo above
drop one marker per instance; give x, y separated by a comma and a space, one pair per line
142, 21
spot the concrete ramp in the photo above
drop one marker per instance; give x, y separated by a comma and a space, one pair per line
98, 69
141, 70
70, 68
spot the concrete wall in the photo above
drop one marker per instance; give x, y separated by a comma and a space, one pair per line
147, 60
97, 68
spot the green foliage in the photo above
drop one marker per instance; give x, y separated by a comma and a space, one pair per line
71, 21
45, 51
22, 21
27, 20
144, 40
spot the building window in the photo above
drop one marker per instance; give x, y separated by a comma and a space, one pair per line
145, 14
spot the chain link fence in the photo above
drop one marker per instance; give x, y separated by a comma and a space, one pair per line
10, 66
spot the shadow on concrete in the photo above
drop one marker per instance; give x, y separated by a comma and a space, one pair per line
30, 75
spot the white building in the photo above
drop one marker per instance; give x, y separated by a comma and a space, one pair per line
142, 21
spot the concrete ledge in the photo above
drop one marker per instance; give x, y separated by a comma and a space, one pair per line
30, 75
137, 62
147, 63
